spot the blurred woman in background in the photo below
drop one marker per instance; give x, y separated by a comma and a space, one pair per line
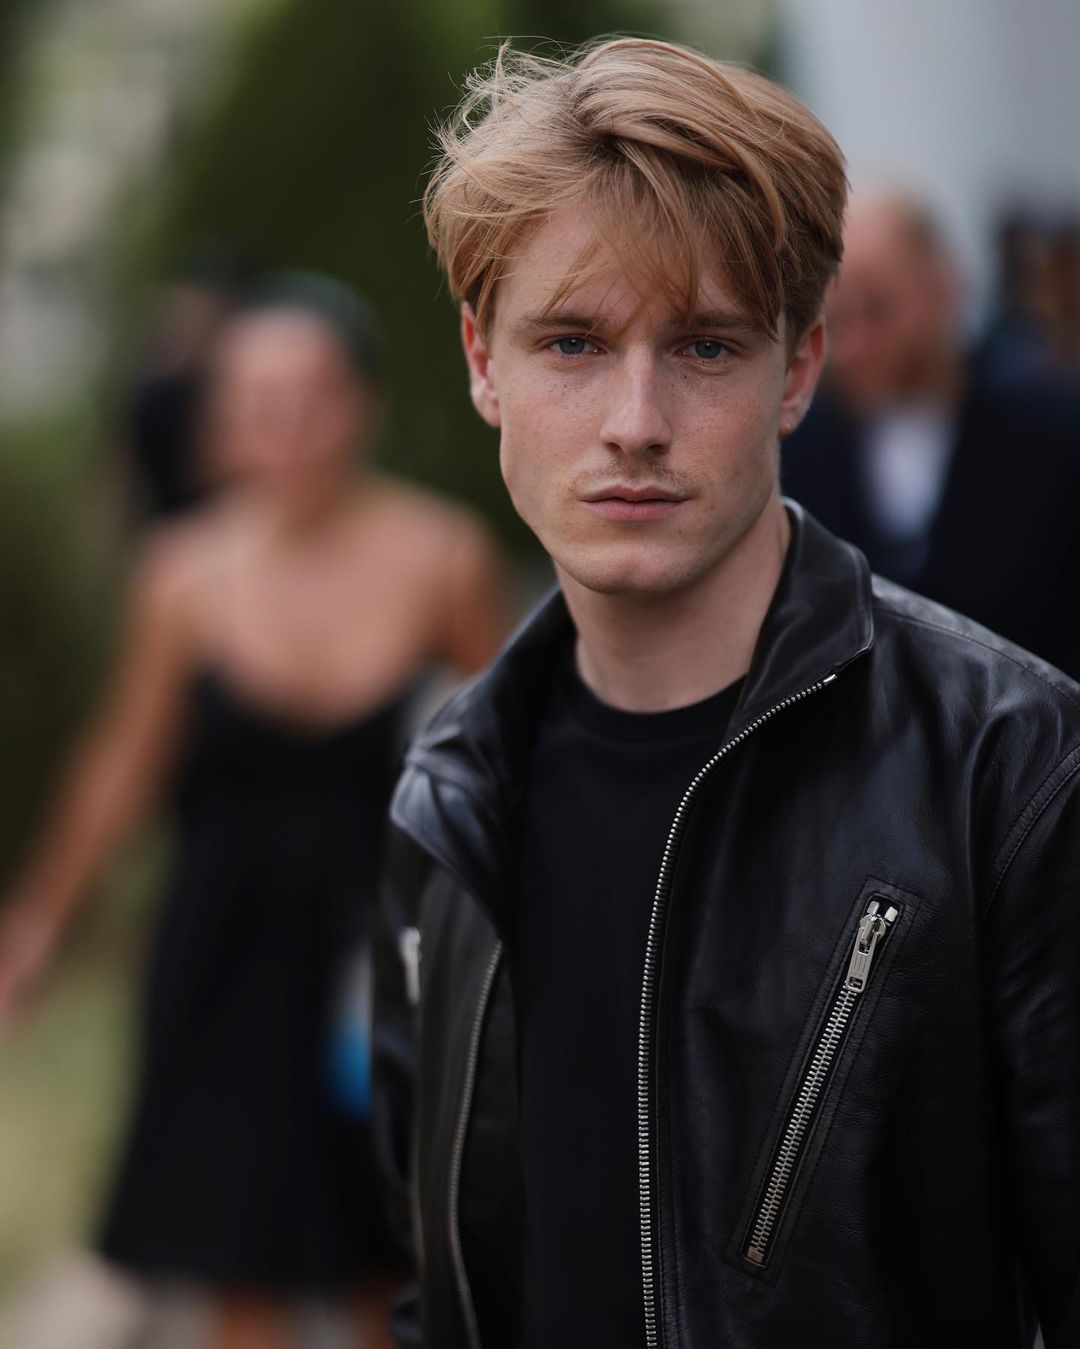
272, 640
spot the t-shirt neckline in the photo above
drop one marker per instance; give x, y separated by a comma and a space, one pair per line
693, 721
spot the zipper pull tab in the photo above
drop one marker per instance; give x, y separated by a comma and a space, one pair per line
872, 927
409, 950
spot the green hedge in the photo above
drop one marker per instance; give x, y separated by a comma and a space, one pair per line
56, 560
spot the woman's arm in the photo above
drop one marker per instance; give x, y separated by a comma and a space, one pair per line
112, 777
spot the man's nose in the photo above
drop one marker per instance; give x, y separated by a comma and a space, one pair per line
637, 419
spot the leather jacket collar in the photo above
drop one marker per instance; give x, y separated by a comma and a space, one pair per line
820, 619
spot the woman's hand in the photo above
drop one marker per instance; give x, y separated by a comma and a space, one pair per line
112, 778
28, 938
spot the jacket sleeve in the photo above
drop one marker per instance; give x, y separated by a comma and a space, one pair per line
1032, 953
394, 1059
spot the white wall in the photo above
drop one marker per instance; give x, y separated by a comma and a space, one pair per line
970, 101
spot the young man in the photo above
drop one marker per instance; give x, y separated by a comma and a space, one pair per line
730, 992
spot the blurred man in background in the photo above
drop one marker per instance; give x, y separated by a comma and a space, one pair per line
164, 458
955, 482
1018, 342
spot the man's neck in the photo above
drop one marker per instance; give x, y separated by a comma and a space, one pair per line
660, 652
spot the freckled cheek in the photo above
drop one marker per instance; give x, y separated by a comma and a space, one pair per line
541, 434
734, 449
522, 461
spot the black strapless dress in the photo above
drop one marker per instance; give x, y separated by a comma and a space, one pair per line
239, 1170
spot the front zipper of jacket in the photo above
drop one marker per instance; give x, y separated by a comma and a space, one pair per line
874, 927
646, 1025
461, 1277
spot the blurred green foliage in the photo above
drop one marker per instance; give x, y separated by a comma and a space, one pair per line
55, 619
15, 16
315, 158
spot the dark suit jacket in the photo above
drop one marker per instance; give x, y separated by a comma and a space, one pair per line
1004, 546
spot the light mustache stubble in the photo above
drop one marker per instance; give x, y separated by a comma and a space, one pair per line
662, 478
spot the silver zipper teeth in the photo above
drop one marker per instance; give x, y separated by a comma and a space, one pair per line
797, 1124
468, 1310
873, 928
648, 994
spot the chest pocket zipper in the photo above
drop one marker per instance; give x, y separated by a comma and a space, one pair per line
873, 930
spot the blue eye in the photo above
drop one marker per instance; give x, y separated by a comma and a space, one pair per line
571, 346
708, 348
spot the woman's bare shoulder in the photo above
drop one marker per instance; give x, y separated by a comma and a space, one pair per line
178, 560
421, 514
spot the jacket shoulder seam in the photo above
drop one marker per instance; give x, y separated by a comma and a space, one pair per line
974, 641
1054, 782
1063, 770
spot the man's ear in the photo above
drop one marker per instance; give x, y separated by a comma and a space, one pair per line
478, 357
803, 372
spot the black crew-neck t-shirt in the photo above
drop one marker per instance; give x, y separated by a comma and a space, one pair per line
603, 789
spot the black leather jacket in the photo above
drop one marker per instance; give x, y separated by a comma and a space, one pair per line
859, 1100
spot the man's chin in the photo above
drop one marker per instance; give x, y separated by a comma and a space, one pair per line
640, 578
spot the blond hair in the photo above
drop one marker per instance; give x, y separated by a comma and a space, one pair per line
683, 158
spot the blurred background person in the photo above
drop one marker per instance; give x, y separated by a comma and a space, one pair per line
955, 479
273, 640
1018, 343
1065, 286
1034, 331
165, 463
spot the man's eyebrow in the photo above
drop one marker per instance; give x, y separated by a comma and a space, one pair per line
727, 319
556, 318
546, 320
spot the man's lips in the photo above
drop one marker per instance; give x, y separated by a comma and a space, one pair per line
633, 503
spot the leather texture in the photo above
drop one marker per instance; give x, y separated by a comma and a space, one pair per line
936, 1197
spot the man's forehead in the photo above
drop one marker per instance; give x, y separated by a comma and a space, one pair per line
578, 260
613, 295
